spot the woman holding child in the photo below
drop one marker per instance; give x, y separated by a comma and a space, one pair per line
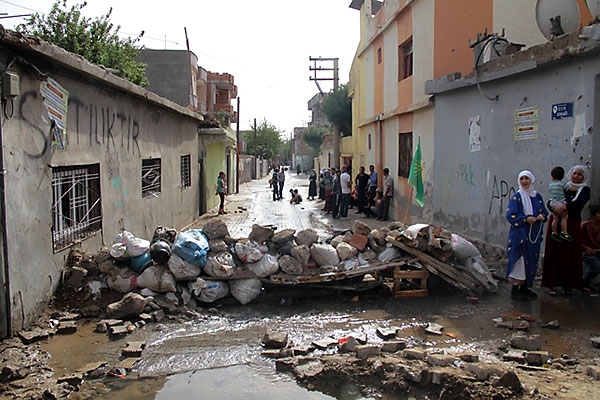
563, 260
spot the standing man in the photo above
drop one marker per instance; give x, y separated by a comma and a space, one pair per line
362, 185
372, 180
281, 177
337, 193
275, 184
388, 191
346, 187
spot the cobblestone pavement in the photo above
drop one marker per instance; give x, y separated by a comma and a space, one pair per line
254, 205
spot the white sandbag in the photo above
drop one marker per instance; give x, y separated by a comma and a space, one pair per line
324, 254
462, 248
117, 250
245, 290
120, 284
182, 270
389, 254
220, 266
157, 278
264, 267
479, 269
134, 246
346, 251
413, 231
250, 251
209, 291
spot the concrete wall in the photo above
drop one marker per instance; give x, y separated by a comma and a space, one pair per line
472, 184
110, 122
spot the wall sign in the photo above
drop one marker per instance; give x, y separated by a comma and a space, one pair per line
562, 110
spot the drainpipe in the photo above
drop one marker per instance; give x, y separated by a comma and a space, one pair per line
4, 236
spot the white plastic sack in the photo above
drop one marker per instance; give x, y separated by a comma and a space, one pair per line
351, 263
245, 290
324, 254
157, 278
462, 248
413, 231
209, 291
264, 267
117, 250
134, 246
389, 254
479, 269
181, 269
250, 251
220, 266
120, 284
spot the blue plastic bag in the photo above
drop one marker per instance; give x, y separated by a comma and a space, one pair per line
192, 246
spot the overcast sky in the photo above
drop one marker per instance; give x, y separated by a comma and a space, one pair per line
264, 44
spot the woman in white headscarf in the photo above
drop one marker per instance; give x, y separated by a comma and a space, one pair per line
526, 213
563, 261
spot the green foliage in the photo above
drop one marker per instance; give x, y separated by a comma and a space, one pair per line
96, 40
223, 118
285, 151
263, 141
313, 136
337, 107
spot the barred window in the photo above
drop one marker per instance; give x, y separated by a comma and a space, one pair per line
76, 204
186, 170
150, 177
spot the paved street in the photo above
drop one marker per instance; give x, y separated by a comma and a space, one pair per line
254, 205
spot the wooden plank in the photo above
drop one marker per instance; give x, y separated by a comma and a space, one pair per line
447, 272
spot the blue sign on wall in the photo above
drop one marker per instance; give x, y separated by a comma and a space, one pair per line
562, 110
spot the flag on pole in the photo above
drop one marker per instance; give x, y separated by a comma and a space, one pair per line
415, 177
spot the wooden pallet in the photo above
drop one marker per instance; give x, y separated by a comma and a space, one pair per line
416, 278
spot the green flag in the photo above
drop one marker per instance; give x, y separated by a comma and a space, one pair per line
415, 177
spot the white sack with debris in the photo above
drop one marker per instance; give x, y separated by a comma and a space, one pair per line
209, 291
157, 278
181, 269
134, 246
220, 266
250, 251
264, 267
462, 248
479, 269
324, 254
245, 290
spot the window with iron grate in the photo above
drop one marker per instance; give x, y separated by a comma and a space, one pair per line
186, 171
76, 204
151, 174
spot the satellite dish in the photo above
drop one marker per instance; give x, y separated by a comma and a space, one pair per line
594, 7
557, 17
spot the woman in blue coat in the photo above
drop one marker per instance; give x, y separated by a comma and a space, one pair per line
526, 214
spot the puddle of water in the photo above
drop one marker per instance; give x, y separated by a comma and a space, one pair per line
238, 382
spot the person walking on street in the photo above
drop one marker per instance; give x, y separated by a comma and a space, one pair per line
221, 189
526, 214
281, 178
388, 192
275, 184
328, 187
362, 186
372, 180
346, 188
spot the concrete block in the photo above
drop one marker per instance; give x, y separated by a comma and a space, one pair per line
133, 349
441, 360
67, 327
366, 350
393, 346
414, 354
537, 357
524, 342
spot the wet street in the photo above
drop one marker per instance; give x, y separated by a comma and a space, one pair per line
218, 355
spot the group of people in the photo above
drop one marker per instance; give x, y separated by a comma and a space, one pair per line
277, 181
572, 255
342, 193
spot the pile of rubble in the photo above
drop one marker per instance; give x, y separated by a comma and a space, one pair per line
182, 269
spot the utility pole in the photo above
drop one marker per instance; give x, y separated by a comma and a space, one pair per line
239, 143
317, 67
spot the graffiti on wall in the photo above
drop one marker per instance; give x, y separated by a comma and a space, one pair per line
501, 193
466, 174
103, 127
